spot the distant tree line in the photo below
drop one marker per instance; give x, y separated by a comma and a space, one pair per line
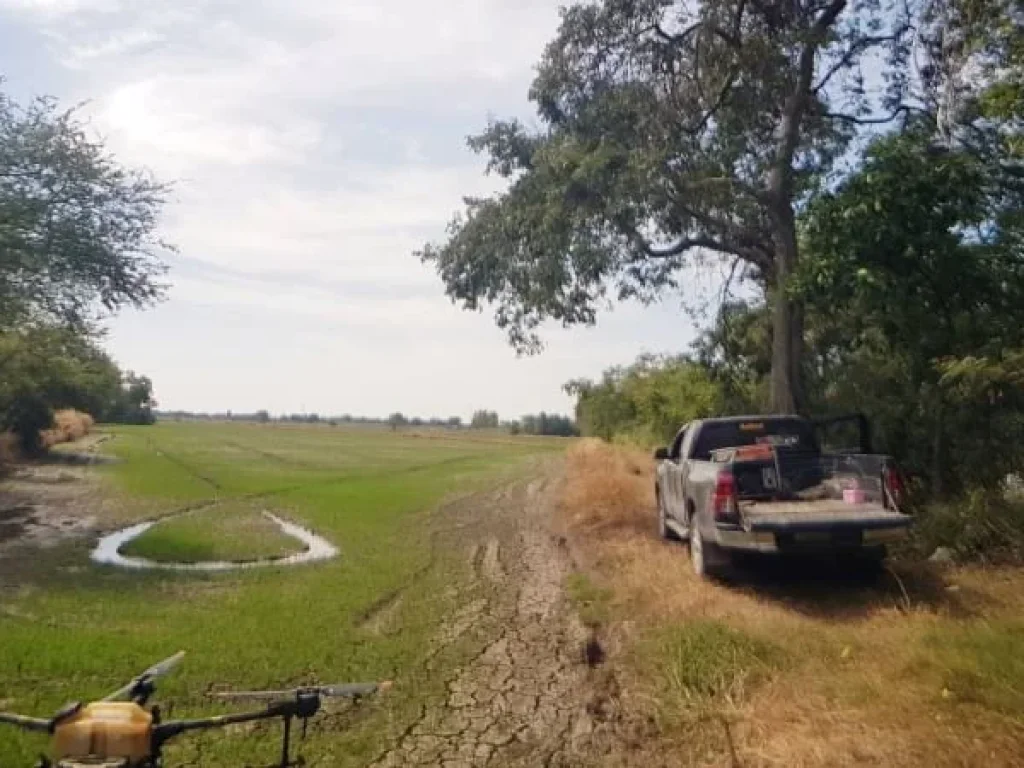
531, 424
484, 420
395, 420
544, 424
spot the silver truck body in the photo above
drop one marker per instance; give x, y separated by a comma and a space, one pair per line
795, 502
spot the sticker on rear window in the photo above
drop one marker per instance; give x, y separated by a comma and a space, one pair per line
784, 440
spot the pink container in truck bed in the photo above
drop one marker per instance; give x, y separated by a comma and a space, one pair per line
854, 496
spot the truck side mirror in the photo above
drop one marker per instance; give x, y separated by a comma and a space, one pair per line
661, 454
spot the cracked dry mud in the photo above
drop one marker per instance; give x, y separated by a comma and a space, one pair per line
523, 699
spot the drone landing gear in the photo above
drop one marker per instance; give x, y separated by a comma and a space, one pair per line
304, 706
286, 742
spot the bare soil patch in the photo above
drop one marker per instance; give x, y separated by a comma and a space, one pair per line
528, 695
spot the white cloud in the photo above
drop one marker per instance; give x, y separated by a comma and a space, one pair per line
317, 143
52, 9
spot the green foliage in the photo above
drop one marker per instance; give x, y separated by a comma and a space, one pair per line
133, 401
27, 414
77, 230
45, 368
646, 402
397, 421
671, 130
988, 48
914, 300
736, 351
984, 525
77, 241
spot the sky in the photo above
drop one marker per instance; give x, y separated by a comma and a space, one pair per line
314, 146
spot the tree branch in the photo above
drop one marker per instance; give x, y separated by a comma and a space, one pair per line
781, 177
728, 281
857, 47
855, 120
679, 247
677, 38
723, 94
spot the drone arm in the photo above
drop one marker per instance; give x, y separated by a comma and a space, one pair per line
169, 730
26, 723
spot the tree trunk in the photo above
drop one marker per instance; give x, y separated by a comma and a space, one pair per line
787, 393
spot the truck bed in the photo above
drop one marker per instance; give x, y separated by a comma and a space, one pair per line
820, 515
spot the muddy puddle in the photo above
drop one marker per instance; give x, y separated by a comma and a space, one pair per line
107, 552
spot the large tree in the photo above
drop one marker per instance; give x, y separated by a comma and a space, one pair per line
672, 131
78, 231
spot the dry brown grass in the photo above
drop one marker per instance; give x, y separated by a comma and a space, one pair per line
607, 489
853, 682
68, 425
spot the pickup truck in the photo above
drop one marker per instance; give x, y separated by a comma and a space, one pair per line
762, 484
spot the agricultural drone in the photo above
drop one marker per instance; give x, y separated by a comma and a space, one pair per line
119, 732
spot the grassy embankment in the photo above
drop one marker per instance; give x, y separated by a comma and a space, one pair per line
230, 531
792, 666
70, 630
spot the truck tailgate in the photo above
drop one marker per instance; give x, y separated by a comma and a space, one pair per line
821, 515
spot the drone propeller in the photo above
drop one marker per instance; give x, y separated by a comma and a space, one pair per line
347, 691
142, 686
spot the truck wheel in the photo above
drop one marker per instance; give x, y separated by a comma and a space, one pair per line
706, 558
663, 530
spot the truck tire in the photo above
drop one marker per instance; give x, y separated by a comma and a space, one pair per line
707, 558
664, 531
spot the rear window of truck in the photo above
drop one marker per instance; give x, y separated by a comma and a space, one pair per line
792, 433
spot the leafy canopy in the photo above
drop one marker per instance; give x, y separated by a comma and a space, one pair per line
77, 230
671, 132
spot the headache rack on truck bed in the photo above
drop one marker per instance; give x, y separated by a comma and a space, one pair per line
787, 473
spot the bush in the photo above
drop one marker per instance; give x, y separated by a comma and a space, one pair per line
28, 416
984, 526
648, 401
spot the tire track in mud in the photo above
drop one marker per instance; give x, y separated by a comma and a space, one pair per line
184, 465
522, 700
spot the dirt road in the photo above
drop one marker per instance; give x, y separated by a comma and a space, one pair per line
529, 697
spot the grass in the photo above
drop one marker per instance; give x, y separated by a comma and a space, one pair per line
592, 602
232, 532
704, 664
799, 665
73, 631
980, 664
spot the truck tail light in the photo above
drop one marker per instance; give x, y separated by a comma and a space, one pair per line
894, 486
723, 499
